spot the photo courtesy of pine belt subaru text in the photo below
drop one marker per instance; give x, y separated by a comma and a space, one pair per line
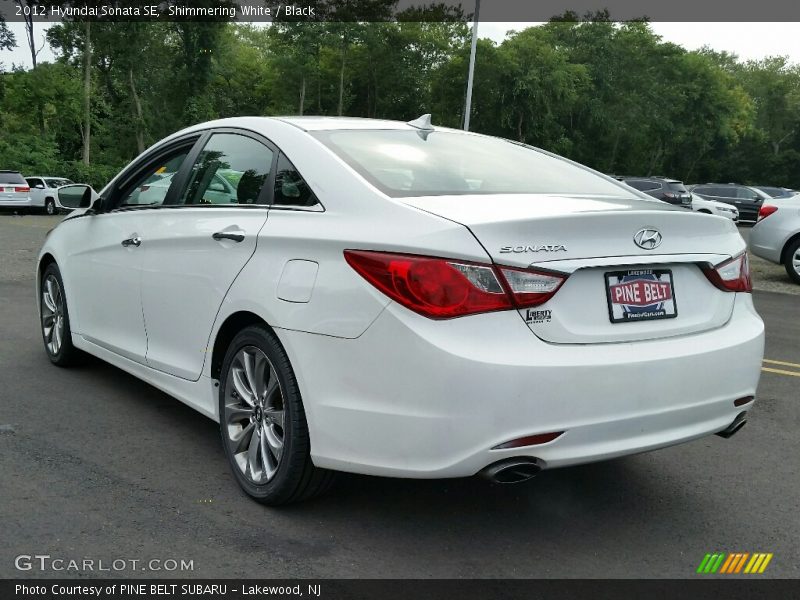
403, 300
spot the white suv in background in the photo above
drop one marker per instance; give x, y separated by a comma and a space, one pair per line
14, 190
44, 192
712, 207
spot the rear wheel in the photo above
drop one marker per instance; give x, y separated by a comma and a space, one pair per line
50, 206
263, 424
56, 332
792, 261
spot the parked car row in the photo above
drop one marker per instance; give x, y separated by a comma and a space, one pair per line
673, 191
31, 193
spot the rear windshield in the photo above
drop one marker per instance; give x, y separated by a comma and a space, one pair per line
404, 163
11, 177
677, 186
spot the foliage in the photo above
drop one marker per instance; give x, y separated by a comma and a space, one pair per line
611, 95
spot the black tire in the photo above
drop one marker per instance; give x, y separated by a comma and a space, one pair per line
296, 478
50, 206
66, 354
791, 250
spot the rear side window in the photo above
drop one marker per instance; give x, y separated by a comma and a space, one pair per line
705, 190
231, 169
403, 163
12, 177
33, 181
290, 188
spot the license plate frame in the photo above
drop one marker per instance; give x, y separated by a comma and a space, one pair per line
644, 281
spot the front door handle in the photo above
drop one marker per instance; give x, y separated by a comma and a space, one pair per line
228, 235
132, 241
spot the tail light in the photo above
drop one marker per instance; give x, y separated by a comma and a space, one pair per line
439, 288
22, 189
766, 210
732, 275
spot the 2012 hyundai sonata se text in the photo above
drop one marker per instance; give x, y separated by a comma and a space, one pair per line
403, 300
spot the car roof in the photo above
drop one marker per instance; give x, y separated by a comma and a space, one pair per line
655, 178
312, 123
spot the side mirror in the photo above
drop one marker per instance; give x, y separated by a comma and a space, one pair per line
39, 187
75, 196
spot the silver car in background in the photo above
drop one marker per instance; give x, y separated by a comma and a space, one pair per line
14, 190
776, 235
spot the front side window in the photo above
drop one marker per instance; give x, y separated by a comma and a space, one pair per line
151, 187
231, 169
290, 188
403, 163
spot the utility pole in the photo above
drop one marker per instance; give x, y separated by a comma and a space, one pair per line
468, 107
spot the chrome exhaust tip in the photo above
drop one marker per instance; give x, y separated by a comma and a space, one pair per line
512, 470
739, 422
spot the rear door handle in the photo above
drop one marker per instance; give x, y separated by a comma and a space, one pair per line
132, 241
228, 235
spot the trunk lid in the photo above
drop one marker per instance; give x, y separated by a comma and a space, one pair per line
592, 240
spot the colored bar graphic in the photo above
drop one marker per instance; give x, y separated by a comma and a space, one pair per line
765, 563
734, 563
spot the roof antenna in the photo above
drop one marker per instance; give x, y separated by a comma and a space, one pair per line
423, 123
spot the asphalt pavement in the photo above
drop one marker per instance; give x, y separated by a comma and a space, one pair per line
96, 464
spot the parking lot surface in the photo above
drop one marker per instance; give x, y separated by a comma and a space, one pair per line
94, 463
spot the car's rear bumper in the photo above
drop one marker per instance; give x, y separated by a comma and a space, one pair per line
413, 397
8, 203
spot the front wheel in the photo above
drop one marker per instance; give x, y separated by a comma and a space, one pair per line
263, 424
792, 261
56, 331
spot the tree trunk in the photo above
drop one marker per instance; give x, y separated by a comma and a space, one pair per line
519, 128
613, 160
87, 91
341, 82
302, 94
138, 117
32, 47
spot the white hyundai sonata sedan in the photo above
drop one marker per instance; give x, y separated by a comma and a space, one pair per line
403, 300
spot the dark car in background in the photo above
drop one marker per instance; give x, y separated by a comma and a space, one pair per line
776, 192
747, 199
661, 188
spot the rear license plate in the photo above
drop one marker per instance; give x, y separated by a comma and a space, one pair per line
640, 295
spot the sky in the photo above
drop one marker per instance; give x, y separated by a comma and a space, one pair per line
747, 40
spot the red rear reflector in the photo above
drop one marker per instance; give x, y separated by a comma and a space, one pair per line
731, 276
530, 440
743, 401
766, 210
22, 189
440, 288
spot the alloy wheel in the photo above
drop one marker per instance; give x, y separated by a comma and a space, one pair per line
52, 314
254, 415
796, 261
